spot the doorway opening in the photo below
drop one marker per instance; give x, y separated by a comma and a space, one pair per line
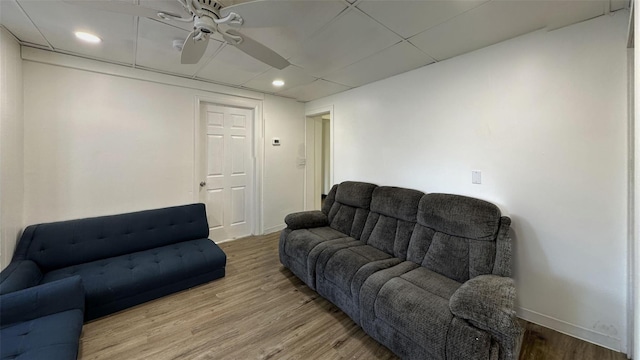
319, 156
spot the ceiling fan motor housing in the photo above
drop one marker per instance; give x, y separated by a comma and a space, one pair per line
211, 7
204, 24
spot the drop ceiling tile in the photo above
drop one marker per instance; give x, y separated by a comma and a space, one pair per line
351, 37
315, 90
283, 25
14, 19
564, 13
171, 6
155, 48
58, 20
232, 66
391, 61
409, 17
485, 25
619, 4
291, 75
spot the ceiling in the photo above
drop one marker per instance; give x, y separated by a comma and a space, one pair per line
333, 45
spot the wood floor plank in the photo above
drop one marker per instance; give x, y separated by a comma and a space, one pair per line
260, 310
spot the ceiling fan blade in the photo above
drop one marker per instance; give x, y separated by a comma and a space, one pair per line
257, 50
193, 48
119, 7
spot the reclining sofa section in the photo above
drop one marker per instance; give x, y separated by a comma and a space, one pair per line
427, 275
123, 260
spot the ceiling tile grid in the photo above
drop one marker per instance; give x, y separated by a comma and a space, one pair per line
314, 90
58, 20
351, 37
396, 59
16, 20
407, 18
292, 76
332, 45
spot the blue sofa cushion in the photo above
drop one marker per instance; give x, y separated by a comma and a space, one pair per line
38, 301
42, 322
19, 275
112, 279
49, 337
66, 243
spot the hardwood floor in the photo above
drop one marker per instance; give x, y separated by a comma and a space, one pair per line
260, 310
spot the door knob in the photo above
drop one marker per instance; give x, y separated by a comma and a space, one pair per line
202, 183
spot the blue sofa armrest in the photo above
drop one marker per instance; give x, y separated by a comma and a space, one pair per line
20, 274
42, 300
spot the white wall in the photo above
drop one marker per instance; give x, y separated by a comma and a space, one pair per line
102, 139
635, 236
543, 116
11, 146
283, 177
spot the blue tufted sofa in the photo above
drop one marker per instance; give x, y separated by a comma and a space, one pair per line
42, 322
123, 260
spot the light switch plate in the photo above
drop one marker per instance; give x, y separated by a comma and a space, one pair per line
476, 177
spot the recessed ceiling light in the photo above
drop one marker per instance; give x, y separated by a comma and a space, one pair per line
84, 36
278, 83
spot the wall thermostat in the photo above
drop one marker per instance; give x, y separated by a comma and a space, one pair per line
275, 142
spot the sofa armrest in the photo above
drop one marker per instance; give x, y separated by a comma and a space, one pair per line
38, 301
19, 275
306, 219
487, 302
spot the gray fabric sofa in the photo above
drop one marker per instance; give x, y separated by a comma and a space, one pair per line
427, 275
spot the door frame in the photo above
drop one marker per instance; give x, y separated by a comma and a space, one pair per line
311, 113
257, 153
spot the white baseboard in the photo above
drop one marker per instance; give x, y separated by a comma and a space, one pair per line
566, 328
224, 241
273, 229
266, 231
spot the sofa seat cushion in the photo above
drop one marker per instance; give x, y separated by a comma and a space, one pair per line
303, 247
342, 273
354, 263
51, 337
300, 242
412, 305
116, 278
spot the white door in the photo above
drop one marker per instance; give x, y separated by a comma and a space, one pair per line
227, 187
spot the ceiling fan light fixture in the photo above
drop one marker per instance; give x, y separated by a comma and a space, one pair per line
87, 37
278, 83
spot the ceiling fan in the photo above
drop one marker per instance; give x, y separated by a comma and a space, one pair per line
207, 17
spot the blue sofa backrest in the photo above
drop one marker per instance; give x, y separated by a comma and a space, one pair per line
66, 243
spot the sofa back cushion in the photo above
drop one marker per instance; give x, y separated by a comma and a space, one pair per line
329, 200
455, 236
65, 243
392, 220
350, 208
